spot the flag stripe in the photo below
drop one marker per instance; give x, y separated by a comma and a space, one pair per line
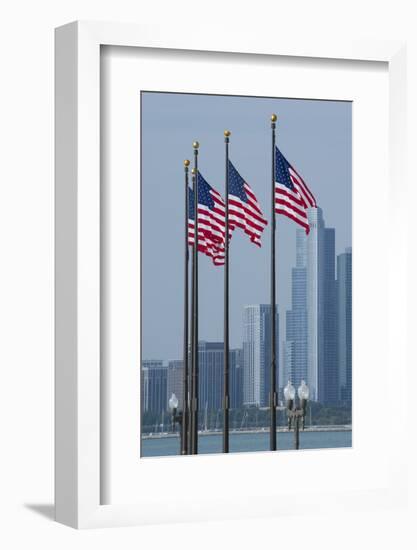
289, 214
298, 180
291, 208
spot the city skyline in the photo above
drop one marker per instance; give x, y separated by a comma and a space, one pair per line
318, 341
249, 372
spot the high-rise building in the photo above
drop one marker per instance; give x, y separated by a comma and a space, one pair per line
211, 376
344, 325
310, 351
257, 354
328, 368
236, 378
154, 386
175, 380
295, 346
210, 367
211, 373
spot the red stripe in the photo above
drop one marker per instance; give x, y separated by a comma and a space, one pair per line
255, 206
248, 212
217, 259
303, 184
250, 192
253, 200
209, 215
253, 228
285, 213
301, 213
297, 199
247, 221
304, 187
218, 201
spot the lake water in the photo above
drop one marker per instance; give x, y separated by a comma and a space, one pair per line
249, 442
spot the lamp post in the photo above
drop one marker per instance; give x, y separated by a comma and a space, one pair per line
177, 416
296, 414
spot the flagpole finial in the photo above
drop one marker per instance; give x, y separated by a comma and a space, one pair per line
227, 133
273, 117
186, 163
196, 145
193, 171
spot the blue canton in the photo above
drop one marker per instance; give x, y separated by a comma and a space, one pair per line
282, 174
236, 184
204, 196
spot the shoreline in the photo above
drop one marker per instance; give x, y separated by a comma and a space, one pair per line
246, 431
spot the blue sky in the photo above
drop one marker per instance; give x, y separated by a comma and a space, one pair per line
315, 136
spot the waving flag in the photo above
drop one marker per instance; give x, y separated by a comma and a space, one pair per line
244, 209
211, 221
292, 196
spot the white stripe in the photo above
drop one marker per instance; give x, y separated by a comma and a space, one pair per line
235, 220
289, 201
301, 192
233, 215
252, 214
302, 187
292, 212
219, 220
294, 192
235, 208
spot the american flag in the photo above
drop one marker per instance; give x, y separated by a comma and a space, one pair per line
244, 209
292, 196
211, 221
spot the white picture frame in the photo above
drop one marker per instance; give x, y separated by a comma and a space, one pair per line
78, 268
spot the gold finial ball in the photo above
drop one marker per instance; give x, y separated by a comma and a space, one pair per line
193, 171
186, 162
273, 118
227, 133
196, 145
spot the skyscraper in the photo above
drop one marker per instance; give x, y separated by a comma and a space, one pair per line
328, 369
295, 347
236, 378
154, 386
257, 353
310, 351
210, 375
211, 371
344, 325
314, 249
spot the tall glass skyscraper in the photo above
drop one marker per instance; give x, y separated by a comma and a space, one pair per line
311, 340
328, 367
344, 325
236, 378
257, 354
295, 347
210, 367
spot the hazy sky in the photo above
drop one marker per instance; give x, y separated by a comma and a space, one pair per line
315, 137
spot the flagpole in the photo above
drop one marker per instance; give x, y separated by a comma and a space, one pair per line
226, 352
194, 373
191, 370
273, 394
185, 406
